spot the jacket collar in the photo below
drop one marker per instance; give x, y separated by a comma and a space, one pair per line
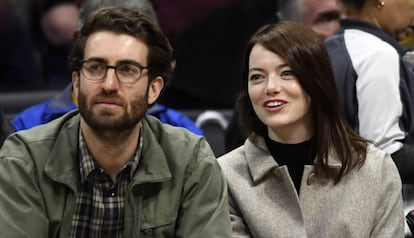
260, 161
62, 163
153, 166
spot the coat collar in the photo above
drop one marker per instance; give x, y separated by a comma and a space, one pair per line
258, 158
260, 161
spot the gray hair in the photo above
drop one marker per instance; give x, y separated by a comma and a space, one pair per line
88, 6
290, 10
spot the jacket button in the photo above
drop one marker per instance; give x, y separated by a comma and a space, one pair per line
311, 178
147, 231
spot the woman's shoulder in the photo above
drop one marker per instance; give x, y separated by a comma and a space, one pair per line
376, 155
379, 163
235, 167
233, 158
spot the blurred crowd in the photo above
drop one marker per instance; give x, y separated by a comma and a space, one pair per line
37, 36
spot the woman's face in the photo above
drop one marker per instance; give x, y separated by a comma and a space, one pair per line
277, 97
396, 16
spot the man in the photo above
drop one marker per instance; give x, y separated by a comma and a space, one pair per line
110, 170
322, 16
64, 101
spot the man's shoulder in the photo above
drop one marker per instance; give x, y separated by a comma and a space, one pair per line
41, 136
174, 140
180, 148
159, 128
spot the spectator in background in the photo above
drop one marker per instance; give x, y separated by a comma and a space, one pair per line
303, 171
321, 16
374, 82
55, 22
66, 101
19, 67
109, 170
208, 55
58, 22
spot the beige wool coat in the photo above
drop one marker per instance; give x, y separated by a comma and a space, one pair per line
367, 202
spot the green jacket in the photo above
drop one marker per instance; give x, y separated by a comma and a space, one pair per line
178, 190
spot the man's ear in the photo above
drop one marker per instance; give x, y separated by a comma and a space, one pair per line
154, 89
75, 83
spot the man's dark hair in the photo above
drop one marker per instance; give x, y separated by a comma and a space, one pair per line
126, 21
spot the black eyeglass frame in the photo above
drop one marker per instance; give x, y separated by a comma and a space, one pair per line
114, 67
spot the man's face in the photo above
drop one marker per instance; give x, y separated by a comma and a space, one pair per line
322, 16
109, 104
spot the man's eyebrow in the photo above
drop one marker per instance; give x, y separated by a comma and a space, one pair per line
128, 61
102, 60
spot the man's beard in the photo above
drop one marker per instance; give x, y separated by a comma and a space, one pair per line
109, 121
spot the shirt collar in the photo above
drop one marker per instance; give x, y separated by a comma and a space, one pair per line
87, 164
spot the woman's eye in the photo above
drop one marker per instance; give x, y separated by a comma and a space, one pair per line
287, 73
255, 76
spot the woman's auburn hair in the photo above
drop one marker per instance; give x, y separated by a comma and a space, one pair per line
304, 52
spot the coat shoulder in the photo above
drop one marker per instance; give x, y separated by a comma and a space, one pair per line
233, 161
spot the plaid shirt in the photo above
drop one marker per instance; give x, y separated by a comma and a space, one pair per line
100, 202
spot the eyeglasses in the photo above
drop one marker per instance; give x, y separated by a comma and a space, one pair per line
95, 70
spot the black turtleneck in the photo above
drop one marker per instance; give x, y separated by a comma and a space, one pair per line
294, 156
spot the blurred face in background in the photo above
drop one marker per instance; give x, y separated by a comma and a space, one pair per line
322, 16
396, 16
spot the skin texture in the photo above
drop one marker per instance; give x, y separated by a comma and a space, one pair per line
272, 81
322, 16
111, 111
394, 17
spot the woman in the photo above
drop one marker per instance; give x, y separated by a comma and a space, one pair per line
374, 78
303, 172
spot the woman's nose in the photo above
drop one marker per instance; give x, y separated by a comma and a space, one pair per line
273, 84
